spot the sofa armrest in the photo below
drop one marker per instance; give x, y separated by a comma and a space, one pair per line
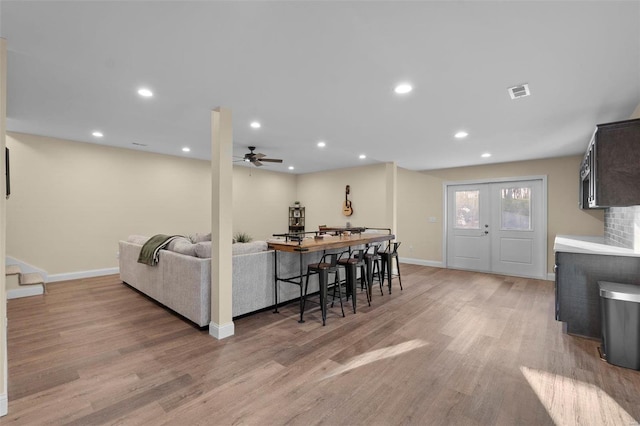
147, 279
187, 285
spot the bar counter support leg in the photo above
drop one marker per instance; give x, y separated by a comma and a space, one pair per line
302, 301
275, 278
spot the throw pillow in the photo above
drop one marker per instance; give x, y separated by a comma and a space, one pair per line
182, 245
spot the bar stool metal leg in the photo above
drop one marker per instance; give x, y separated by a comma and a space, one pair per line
351, 284
399, 276
322, 280
304, 301
364, 280
336, 285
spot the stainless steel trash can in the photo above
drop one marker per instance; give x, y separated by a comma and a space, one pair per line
620, 308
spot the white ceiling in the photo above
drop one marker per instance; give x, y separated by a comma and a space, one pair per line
311, 71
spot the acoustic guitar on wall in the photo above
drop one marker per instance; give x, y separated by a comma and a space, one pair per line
347, 209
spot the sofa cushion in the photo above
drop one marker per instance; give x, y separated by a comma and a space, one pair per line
203, 249
137, 239
182, 245
246, 248
198, 238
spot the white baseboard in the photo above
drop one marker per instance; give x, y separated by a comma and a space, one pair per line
437, 264
221, 331
433, 263
26, 268
32, 290
82, 274
4, 404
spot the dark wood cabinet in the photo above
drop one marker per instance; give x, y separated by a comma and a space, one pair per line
577, 293
610, 171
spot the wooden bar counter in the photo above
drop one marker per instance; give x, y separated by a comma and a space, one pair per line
314, 244
328, 242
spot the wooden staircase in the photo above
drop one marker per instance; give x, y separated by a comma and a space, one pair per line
20, 284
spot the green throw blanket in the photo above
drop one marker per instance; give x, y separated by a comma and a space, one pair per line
150, 252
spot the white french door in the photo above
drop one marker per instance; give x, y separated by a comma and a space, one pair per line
468, 243
497, 227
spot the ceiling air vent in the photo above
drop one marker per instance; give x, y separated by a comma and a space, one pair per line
519, 91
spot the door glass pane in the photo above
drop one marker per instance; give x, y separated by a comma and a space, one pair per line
467, 209
516, 209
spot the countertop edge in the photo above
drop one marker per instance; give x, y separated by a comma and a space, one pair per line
589, 244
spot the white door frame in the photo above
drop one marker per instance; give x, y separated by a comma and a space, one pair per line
545, 213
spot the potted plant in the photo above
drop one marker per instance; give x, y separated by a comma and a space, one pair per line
242, 237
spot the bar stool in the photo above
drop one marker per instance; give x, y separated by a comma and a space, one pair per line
372, 262
328, 264
387, 256
351, 265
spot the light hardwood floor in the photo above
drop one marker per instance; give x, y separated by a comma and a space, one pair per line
454, 347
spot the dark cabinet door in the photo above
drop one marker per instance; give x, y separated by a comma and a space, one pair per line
577, 293
610, 171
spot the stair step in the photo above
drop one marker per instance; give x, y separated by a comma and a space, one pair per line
13, 270
31, 279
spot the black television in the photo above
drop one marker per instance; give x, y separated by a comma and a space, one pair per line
6, 171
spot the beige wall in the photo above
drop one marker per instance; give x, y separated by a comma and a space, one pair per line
564, 216
419, 198
261, 201
71, 202
323, 194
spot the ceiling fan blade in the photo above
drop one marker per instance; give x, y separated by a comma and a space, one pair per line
256, 163
259, 156
271, 160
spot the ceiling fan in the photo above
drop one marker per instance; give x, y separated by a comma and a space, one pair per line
257, 158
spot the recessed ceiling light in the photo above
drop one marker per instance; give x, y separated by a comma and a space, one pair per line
145, 93
486, 155
362, 156
321, 144
461, 134
97, 134
186, 149
255, 125
403, 88
291, 167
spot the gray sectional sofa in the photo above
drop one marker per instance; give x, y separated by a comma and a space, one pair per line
182, 278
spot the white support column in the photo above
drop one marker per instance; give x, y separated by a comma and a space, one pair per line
391, 216
391, 202
4, 403
221, 325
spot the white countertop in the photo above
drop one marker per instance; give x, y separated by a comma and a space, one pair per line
589, 245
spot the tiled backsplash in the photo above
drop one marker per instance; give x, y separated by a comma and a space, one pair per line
622, 227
